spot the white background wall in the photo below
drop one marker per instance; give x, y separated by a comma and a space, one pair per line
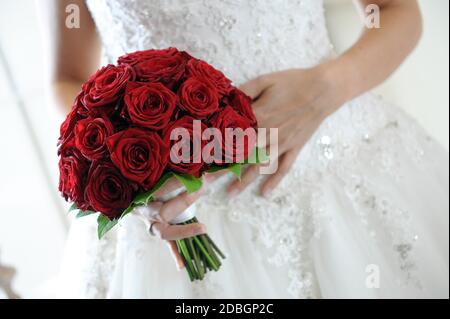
420, 86
31, 232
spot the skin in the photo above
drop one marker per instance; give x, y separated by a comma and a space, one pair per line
295, 101
168, 211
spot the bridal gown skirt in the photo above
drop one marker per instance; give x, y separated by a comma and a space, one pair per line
363, 214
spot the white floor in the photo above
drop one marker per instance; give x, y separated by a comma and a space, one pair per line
31, 232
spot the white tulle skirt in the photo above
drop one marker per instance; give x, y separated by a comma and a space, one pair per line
363, 214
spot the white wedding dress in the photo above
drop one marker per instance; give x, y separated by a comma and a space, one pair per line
363, 213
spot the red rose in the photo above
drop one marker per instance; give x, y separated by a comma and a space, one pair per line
242, 103
139, 154
73, 168
107, 190
106, 86
90, 137
150, 104
238, 148
66, 128
201, 69
165, 66
199, 98
191, 163
144, 55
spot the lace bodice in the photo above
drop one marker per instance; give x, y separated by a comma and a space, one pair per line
242, 38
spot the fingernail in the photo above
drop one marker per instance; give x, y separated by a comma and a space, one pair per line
266, 193
233, 193
202, 228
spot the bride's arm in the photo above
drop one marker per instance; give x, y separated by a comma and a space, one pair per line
297, 101
72, 53
379, 51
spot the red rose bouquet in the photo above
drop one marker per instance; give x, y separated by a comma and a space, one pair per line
157, 114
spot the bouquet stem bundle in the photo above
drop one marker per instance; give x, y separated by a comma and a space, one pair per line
200, 254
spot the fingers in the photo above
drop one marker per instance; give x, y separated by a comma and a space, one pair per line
262, 105
148, 213
175, 206
285, 163
249, 176
255, 87
171, 185
175, 232
211, 177
175, 254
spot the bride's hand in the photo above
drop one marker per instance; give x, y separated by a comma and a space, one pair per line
158, 214
296, 102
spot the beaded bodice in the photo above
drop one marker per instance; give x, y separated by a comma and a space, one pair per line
242, 38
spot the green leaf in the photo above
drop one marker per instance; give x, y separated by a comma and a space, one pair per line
258, 156
104, 224
191, 183
144, 198
82, 213
236, 169
263, 157
72, 208
129, 209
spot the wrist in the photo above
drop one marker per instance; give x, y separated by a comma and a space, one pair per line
339, 78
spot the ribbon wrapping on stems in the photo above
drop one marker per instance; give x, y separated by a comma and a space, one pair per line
188, 214
199, 253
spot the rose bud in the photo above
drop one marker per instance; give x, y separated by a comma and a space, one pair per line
198, 98
191, 161
201, 69
106, 86
90, 136
238, 148
107, 191
72, 170
149, 105
242, 104
139, 154
165, 66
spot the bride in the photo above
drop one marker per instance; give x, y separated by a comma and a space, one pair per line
359, 204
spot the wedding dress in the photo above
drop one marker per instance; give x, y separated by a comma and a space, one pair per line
363, 212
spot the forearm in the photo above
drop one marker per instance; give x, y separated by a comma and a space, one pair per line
64, 93
379, 51
72, 53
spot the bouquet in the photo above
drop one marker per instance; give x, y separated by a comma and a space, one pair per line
157, 114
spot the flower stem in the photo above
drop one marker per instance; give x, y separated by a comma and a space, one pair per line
215, 247
199, 254
211, 251
205, 253
193, 252
188, 260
